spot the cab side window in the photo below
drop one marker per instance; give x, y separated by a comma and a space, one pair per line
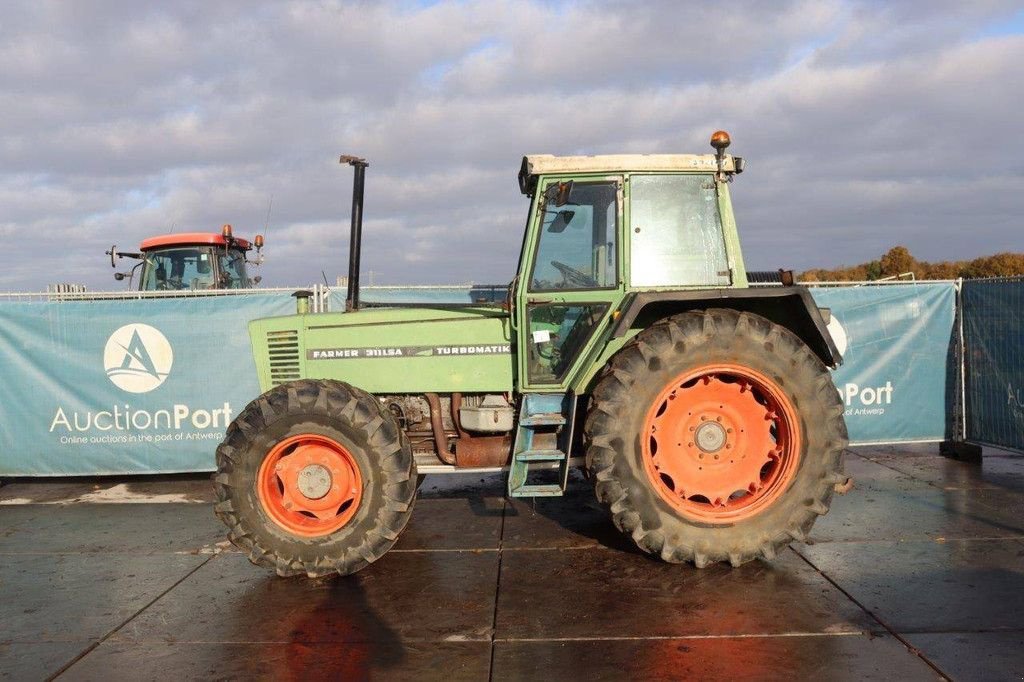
577, 247
676, 236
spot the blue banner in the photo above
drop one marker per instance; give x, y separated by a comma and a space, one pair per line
148, 386
994, 354
898, 379
124, 386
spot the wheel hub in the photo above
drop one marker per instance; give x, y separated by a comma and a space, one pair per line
310, 485
314, 481
710, 437
722, 442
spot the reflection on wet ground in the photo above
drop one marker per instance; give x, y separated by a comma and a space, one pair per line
917, 573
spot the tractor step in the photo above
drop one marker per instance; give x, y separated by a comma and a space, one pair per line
550, 419
544, 490
550, 414
540, 456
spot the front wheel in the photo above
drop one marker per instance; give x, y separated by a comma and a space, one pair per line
715, 436
315, 477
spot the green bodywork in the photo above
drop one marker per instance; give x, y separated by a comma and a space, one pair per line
480, 349
414, 350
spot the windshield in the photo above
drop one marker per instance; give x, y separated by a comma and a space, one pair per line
194, 268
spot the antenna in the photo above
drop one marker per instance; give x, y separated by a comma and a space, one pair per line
266, 224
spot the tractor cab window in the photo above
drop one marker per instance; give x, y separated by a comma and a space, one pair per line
577, 242
676, 236
232, 270
178, 269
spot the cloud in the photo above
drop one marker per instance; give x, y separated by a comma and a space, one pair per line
864, 124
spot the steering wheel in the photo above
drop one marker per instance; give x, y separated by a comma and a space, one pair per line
574, 277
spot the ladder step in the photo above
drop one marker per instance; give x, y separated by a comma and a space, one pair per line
540, 456
546, 490
548, 419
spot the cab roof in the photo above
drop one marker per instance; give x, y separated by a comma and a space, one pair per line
535, 165
192, 239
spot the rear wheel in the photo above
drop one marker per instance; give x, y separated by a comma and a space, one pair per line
715, 436
315, 477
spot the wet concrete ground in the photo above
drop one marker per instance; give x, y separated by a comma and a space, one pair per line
917, 573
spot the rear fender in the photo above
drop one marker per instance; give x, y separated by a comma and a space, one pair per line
790, 307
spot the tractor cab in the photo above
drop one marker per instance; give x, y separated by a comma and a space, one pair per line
191, 261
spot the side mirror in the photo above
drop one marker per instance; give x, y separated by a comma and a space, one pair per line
559, 193
119, 276
561, 221
257, 279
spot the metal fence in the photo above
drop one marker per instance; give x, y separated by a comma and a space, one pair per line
993, 347
903, 380
319, 301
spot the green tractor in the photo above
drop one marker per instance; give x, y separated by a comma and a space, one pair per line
704, 408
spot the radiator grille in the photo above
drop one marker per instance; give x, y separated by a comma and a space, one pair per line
283, 349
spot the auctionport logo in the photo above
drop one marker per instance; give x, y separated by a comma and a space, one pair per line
860, 400
137, 358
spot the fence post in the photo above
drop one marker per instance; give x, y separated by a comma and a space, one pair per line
958, 447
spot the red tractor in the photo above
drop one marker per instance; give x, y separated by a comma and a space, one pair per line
191, 261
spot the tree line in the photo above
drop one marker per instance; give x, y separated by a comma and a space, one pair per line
898, 261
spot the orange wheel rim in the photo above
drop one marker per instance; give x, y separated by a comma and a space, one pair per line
722, 442
309, 485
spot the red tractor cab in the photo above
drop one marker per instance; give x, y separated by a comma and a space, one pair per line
191, 261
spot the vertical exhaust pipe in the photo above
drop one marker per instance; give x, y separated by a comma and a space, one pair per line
356, 233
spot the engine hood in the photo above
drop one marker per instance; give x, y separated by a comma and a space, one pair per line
390, 350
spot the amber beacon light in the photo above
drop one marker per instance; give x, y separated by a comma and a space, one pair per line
720, 140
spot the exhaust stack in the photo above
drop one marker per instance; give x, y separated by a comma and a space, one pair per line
356, 233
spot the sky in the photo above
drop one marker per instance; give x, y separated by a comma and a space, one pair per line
864, 125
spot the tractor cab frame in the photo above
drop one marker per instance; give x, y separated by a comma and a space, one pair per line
646, 236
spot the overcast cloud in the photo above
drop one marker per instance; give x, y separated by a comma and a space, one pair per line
864, 125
